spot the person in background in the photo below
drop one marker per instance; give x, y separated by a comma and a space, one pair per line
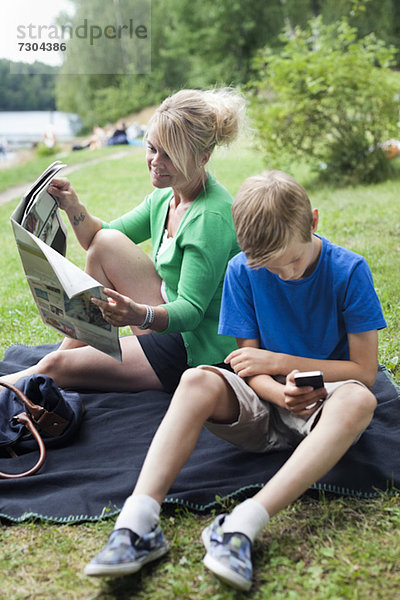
118, 136
49, 136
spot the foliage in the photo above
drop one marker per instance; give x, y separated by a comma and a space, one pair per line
109, 103
380, 16
184, 35
216, 40
201, 45
327, 98
43, 150
351, 158
29, 87
192, 45
101, 98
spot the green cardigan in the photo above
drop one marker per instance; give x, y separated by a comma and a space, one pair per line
193, 266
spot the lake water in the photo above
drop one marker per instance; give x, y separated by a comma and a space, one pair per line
23, 128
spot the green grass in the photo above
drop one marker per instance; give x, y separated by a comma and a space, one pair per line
29, 171
325, 548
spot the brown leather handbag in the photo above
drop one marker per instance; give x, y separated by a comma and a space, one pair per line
34, 413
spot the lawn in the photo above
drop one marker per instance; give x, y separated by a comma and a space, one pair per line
319, 548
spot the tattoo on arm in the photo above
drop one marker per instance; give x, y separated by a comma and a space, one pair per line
78, 219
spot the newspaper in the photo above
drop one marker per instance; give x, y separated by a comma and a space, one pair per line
61, 290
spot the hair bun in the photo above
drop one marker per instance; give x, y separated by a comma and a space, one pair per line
229, 109
190, 123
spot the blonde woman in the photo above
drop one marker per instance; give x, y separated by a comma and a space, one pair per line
174, 298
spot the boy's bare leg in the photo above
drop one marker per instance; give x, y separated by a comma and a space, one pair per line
201, 395
345, 415
136, 539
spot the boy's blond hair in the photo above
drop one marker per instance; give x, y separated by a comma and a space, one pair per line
190, 123
270, 211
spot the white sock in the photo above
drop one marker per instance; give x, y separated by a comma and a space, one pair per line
140, 514
249, 518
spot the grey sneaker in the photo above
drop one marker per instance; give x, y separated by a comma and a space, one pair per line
126, 552
228, 555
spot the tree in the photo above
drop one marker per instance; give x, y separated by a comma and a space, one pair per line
193, 44
99, 98
29, 87
327, 98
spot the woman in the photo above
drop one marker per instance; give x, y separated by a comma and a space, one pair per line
177, 295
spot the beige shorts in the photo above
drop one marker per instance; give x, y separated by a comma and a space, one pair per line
263, 426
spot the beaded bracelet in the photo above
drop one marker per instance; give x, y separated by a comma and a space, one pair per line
149, 318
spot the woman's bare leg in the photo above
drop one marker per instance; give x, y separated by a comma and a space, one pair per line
88, 368
120, 264
116, 262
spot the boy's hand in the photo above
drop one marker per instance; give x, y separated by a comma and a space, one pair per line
302, 401
248, 361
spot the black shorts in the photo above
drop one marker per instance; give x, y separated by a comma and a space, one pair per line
167, 356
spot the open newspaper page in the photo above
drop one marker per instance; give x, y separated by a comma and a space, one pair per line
38, 211
61, 290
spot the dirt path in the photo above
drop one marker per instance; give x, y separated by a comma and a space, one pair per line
17, 191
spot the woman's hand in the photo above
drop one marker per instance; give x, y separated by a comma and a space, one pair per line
62, 190
120, 310
302, 401
83, 223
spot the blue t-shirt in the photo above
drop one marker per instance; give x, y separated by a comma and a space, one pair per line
310, 317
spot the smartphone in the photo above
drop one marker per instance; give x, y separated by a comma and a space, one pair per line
313, 379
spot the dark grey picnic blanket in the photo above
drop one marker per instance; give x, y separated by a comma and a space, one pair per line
90, 478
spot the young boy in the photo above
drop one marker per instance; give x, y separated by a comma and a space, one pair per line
294, 301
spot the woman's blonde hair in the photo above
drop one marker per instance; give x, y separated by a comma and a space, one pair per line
191, 123
270, 211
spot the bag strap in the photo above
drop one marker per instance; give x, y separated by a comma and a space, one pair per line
49, 422
34, 409
25, 420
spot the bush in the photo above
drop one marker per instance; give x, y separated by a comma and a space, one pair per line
328, 98
132, 94
43, 150
350, 159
